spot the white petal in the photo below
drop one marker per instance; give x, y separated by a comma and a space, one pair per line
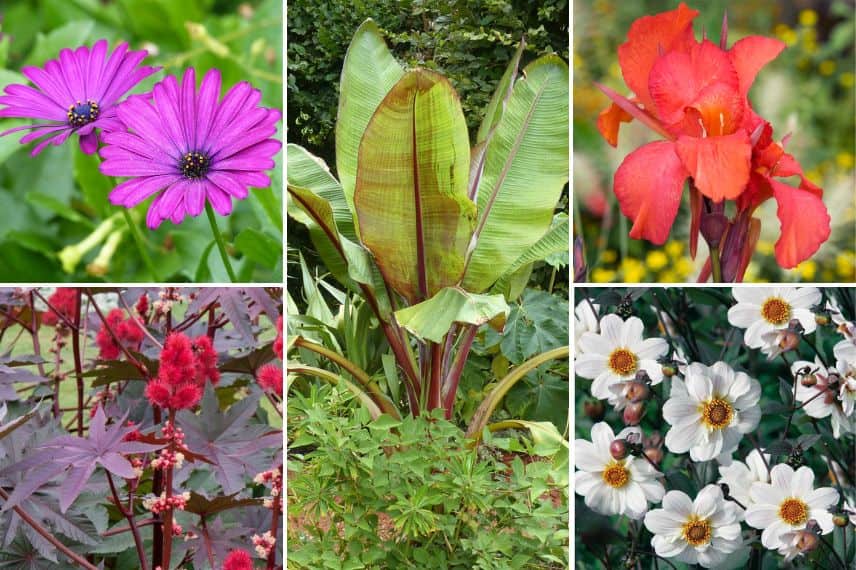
664, 521
766, 494
802, 482
610, 327
747, 420
585, 482
707, 500
753, 335
806, 319
653, 490
699, 387
667, 548
822, 498
635, 498
680, 440
601, 384
742, 315
593, 343
590, 365
654, 370
802, 297
751, 295
781, 476
761, 516
679, 503
770, 536
587, 457
602, 435
651, 348
824, 520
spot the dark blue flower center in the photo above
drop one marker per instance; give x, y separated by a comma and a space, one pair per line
194, 164
81, 114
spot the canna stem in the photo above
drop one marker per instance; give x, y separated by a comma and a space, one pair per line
715, 265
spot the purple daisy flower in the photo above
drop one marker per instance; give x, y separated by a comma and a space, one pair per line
76, 94
186, 147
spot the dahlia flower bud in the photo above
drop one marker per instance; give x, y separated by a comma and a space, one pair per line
618, 449
633, 413
594, 409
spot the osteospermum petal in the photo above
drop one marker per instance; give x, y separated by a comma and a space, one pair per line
76, 90
648, 185
199, 149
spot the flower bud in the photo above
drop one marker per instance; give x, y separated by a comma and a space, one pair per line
669, 370
594, 409
633, 413
821, 319
655, 454
618, 449
840, 520
808, 380
807, 541
636, 391
795, 326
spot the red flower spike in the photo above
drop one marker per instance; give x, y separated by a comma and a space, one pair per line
277, 344
648, 185
647, 36
158, 393
206, 361
269, 378
185, 396
178, 364
238, 560
63, 300
107, 347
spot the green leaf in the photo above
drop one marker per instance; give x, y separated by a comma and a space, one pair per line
70, 35
554, 241
494, 110
94, 185
536, 324
59, 208
411, 194
259, 247
368, 73
525, 171
432, 319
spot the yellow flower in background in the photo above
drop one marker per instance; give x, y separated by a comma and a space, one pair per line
764, 247
633, 270
844, 160
684, 266
844, 263
827, 67
674, 248
656, 260
807, 270
786, 34
601, 275
608, 256
808, 18
847, 79
669, 276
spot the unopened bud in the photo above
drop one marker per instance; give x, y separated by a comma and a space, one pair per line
809, 380
807, 541
618, 449
788, 340
669, 370
636, 391
840, 520
633, 413
655, 454
594, 409
821, 319
713, 227
795, 326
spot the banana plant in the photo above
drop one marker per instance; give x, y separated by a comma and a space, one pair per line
436, 235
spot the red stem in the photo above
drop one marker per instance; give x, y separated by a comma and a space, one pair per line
274, 524
454, 376
167, 522
436, 375
129, 516
78, 362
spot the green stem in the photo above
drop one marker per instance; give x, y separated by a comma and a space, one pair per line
715, 267
141, 246
218, 237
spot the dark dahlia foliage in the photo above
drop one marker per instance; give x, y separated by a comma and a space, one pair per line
715, 427
141, 428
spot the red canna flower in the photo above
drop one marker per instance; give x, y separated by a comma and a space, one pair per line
695, 94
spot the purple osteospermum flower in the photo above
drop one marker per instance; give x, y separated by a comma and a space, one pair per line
187, 147
76, 94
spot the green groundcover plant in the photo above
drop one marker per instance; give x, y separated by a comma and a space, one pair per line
108, 125
716, 428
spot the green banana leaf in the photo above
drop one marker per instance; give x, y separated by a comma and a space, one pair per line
526, 168
411, 194
369, 72
432, 319
554, 241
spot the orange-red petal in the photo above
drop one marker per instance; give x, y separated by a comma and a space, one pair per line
750, 54
804, 221
610, 120
719, 165
648, 185
646, 38
702, 79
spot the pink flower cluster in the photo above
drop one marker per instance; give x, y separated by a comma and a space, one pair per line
63, 301
269, 376
184, 367
238, 560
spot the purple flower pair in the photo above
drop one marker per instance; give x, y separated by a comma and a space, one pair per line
181, 145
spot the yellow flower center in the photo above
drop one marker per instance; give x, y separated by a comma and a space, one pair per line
616, 475
716, 413
776, 311
622, 362
793, 511
696, 531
